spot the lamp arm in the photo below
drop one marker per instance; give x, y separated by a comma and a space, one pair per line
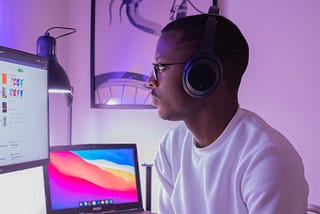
69, 100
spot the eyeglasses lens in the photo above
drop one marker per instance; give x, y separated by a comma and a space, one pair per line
155, 71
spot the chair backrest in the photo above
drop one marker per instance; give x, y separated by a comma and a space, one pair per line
312, 208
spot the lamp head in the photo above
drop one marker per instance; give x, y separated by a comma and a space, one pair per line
58, 81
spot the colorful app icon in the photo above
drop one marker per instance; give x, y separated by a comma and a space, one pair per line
4, 92
4, 78
4, 107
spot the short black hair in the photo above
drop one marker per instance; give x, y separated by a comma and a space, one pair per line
229, 44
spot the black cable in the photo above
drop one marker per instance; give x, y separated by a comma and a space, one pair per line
194, 7
172, 10
73, 30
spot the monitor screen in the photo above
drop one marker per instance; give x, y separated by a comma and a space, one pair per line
24, 129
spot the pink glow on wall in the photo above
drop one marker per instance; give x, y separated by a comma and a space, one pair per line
281, 83
5, 25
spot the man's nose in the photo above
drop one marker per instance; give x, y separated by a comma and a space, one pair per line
152, 82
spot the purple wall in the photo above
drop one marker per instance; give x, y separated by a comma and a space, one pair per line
280, 84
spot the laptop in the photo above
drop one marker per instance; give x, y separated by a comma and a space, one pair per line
93, 178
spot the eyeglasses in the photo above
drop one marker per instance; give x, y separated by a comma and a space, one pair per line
159, 67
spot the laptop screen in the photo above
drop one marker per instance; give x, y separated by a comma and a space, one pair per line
89, 178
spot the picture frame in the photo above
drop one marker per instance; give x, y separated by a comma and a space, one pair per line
118, 76
124, 35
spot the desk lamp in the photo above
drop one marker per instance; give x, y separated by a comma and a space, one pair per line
58, 81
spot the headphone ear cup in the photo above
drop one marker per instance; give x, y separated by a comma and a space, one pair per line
201, 74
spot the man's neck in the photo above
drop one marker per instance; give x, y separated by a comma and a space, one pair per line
207, 125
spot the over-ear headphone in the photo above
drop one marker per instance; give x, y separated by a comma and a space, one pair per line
202, 71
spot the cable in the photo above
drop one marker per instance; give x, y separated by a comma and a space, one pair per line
172, 10
194, 7
73, 30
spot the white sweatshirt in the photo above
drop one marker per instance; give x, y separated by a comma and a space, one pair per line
250, 168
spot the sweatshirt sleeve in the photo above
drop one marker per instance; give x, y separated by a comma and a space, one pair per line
268, 181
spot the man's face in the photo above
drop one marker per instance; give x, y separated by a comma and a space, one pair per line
168, 94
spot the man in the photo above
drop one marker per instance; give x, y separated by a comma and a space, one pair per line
222, 159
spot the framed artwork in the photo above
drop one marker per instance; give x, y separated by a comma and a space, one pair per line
124, 34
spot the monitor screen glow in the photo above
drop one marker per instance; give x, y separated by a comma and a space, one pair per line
24, 129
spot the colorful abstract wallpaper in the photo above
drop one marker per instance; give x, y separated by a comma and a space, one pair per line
92, 177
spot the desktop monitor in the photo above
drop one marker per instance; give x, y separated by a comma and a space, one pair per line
24, 129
